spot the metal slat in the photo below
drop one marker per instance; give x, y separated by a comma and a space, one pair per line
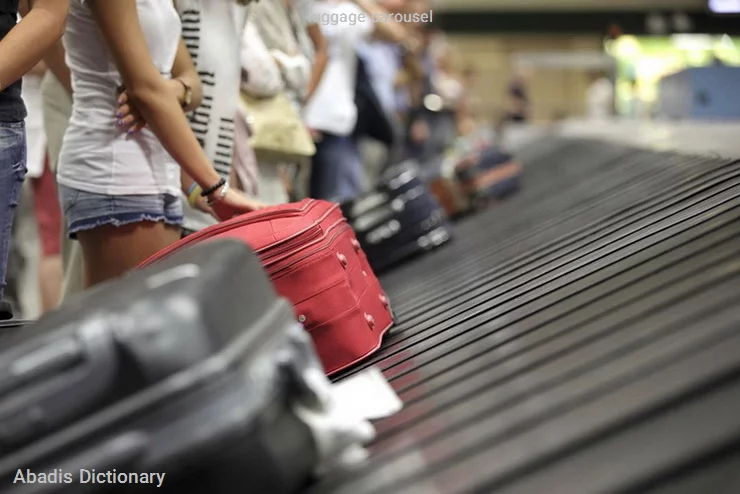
530, 233
513, 226
668, 442
582, 339
442, 365
500, 444
513, 285
572, 243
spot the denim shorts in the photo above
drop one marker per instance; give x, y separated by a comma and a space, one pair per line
12, 174
88, 210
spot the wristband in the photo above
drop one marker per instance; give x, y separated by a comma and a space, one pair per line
193, 194
213, 188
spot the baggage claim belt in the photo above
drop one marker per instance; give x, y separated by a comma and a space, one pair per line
92, 476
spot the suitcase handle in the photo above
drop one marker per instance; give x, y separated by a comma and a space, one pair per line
284, 212
62, 378
373, 219
45, 360
402, 179
367, 203
382, 214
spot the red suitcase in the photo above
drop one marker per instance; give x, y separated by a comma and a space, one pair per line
312, 256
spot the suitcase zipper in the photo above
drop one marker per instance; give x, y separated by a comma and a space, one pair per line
305, 237
271, 260
311, 232
276, 272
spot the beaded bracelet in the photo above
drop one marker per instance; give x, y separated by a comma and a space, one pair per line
210, 190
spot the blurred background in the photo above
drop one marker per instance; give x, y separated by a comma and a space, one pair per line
559, 49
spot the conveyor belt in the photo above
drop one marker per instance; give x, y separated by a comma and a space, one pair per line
581, 338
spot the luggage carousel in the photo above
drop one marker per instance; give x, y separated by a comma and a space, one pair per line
583, 337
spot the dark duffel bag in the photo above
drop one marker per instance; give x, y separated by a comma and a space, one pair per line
180, 378
398, 219
489, 174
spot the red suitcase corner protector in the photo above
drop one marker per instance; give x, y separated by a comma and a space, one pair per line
306, 241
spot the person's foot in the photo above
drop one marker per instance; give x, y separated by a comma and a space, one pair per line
6, 311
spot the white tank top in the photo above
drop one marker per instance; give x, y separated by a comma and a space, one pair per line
97, 156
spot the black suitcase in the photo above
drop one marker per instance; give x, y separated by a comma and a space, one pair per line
398, 219
189, 368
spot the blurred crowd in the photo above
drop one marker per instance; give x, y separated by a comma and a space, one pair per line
282, 104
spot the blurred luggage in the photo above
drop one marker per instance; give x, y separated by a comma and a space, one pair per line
398, 219
449, 194
314, 260
473, 172
190, 369
488, 175
441, 132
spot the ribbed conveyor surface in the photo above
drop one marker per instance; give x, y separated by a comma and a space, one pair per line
583, 337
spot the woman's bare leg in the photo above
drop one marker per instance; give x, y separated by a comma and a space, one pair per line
110, 251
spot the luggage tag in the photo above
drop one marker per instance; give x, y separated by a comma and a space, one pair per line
343, 427
339, 436
338, 420
367, 394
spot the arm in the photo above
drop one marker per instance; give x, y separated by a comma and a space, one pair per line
295, 70
263, 76
54, 59
43, 23
184, 70
321, 58
39, 69
394, 32
412, 67
148, 90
